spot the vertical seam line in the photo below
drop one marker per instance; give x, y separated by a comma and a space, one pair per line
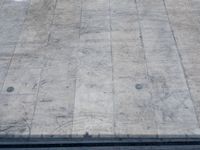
113, 83
145, 58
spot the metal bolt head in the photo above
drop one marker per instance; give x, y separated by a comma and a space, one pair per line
10, 89
138, 86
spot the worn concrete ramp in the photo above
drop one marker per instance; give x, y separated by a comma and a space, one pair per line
99, 67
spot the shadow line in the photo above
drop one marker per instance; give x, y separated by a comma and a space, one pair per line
50, 141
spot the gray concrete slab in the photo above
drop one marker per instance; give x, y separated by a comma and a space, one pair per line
55, 96
104, 67
16, 114
4, 64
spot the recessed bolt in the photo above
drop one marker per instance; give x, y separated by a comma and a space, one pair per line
10, 89
138, 86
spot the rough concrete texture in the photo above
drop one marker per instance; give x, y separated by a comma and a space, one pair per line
102, 67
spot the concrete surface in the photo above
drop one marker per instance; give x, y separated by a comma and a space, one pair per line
108, 67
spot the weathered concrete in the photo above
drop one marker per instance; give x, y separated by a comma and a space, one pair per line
108, 67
